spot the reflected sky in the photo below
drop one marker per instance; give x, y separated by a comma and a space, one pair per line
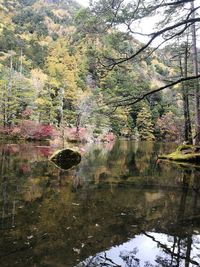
146, 250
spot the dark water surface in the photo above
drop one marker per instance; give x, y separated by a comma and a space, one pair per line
118, 207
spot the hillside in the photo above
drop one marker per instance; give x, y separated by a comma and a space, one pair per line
51, 74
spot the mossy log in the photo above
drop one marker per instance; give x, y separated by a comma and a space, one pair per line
66, 158
184, 153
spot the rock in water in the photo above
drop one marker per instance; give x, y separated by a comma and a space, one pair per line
66, 158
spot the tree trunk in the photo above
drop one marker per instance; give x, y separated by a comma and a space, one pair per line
188, 127
78, 121
9, 94
186, 108
21, 63
196, 83
188, 130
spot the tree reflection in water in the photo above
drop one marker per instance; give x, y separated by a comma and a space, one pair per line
51, 217
102, 259
160, 251
172, 251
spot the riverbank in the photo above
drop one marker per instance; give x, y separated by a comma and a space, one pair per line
32, 131
184, 153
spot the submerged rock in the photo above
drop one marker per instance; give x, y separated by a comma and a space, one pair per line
184, 153
66, 158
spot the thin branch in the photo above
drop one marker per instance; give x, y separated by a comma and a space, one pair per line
152, 33
116, 11
154, 36
133, 14
135, 100
168, 250
171, 4
168, 39
137, 33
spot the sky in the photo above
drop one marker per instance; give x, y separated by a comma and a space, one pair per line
147, 26
83, 2
86, 2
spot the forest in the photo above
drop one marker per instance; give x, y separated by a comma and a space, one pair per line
93, 98
82, 74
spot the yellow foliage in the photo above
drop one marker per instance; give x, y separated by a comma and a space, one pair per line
155, 83
61, 13
38, 78
63, 67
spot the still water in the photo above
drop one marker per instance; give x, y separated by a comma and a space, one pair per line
119, 207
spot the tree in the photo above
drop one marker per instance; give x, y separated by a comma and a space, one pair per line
63, 68
177, 19
195, 73
185, 91
16, 95
169, 127
181, 62
144, 124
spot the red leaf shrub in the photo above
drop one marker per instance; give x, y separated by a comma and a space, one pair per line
43, 132
76, 136
109, 137
28, 129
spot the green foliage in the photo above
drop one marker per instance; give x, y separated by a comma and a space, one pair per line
91, 23
44, 106
144, 124
27, 2
16, 95
36, 53
31, 21
184, 154
9, 41
121, 124
162, 71
58, 69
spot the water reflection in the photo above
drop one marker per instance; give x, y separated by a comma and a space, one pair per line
148, 249
119, 207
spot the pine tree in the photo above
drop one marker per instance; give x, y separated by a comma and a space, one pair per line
144, 124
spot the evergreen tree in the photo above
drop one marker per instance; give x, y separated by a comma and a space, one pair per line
144, 124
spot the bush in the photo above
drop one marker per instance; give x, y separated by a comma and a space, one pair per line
44, 132
28, 129
109, 137
169, 127
74, 136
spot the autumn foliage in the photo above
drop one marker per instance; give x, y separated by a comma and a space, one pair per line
29, 130
169, 127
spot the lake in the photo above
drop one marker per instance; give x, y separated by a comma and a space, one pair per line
119, 207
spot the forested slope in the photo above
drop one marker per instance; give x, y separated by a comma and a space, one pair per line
52, 76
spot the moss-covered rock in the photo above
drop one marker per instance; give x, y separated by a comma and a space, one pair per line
184, 153
66, 158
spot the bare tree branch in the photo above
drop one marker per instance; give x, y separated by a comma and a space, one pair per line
133, 100
115, 62
115, 11
180, 2
168, 39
